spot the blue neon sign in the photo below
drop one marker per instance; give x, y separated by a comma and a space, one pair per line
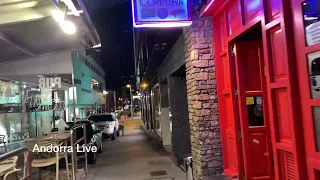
160, 11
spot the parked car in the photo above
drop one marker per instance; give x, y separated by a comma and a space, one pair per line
94, 137
108, 124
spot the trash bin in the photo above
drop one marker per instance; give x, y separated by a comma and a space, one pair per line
188, 167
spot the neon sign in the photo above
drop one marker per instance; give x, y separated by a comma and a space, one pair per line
161, 13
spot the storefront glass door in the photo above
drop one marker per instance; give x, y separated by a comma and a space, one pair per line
31, 105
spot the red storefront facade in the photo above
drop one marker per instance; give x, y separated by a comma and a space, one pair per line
267, 55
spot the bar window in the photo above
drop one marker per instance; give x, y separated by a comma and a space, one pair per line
314, 74
255, 111
311, 17
316, 121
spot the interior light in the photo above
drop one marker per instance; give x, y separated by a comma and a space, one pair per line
58, 15
310, 18
68, 27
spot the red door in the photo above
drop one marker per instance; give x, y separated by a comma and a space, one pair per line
253, 111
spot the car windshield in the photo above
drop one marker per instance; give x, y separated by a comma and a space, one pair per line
101, 118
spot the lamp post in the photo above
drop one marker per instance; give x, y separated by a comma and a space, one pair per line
131, 103
107, 100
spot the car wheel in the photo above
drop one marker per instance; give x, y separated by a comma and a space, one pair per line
100, 149
113, 136
92, 157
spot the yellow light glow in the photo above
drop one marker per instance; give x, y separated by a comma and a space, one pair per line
144, 85
128, 86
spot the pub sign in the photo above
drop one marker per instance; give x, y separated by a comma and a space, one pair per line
161, 13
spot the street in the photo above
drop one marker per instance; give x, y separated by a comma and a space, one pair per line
133, 157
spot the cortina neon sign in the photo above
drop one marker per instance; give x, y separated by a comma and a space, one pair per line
161, 13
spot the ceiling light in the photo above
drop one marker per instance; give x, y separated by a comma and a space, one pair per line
58, 15
68, 27
72, 13
97, 46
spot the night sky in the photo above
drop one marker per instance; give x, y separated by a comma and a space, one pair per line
113, 21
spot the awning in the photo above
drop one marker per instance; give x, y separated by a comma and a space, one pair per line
28, 30
212, 7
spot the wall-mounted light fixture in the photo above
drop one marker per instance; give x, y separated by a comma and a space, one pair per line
67, 26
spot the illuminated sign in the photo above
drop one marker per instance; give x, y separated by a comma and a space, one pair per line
161, 13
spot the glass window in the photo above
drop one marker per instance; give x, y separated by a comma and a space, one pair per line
101, 118
30, 105
311, 16
94, 127
156, 108
255, 111
316, 119
314, 73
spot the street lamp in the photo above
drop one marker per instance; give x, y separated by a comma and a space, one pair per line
131, 104
144, 85
107, 100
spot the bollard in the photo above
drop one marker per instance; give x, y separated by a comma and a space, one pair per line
188, 167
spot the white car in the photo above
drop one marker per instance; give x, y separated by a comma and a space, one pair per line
107, 123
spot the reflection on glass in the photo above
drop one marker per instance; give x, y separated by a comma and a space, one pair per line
314, 73
156, 108
316, 119
311, 15
30, 104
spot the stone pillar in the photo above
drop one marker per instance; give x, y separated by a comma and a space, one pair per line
202, 100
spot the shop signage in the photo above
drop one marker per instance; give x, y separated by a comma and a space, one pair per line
19, 136
161, 13
48, 83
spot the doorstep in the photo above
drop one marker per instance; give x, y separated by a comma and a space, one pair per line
216, 177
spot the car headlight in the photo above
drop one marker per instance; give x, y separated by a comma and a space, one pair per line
107, 125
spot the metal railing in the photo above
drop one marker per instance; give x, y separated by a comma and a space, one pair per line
74, 145
26, 162
27, 168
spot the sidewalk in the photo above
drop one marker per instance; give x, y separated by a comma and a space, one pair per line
133, 157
